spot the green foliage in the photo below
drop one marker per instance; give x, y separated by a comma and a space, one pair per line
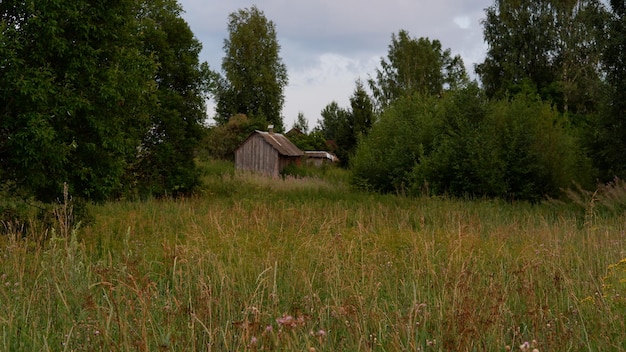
522, 149
404, 134
301, 123
464, 145
166, 161
354, 124
221, 141
84, 86
308, 141
611, 139
332, 117
416, 66
254, 74
460, 153
554, 46
75, 95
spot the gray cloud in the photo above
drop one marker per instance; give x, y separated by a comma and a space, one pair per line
328, 44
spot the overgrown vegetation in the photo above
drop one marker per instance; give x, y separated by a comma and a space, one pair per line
444, 244
465, 145
106, 98
258, 264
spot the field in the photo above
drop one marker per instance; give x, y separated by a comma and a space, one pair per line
252, 264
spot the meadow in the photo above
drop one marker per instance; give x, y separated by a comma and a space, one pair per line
308, 264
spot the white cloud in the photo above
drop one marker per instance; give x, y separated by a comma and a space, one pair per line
463, 22
331, 78
328, 44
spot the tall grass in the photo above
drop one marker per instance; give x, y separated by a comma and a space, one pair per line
307, 264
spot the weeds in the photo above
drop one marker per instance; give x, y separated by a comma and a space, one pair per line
308, 265
608, 198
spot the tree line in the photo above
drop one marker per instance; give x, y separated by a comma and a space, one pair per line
547, 110
109, 98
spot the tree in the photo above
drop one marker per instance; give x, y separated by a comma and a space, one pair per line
549, 45
384, 160
301, 124
307, 141
332, 118
519, 149
355, 124
415, 66
166, 164
254, 74
464, 144
75, 96
581, 32
612, 125
221, 141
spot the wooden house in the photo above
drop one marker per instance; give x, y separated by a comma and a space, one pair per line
267, 153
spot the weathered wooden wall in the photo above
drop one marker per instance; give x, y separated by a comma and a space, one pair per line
257, 155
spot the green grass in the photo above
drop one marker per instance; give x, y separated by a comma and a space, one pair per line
301, 264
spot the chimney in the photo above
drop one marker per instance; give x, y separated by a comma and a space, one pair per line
270, 128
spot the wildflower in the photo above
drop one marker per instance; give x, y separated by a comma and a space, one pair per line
268, 329
253, 341
321, 333
291, 322
286, 320
525, 346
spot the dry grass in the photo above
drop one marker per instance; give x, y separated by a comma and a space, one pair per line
302, 265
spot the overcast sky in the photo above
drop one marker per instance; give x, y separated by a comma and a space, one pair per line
328, 44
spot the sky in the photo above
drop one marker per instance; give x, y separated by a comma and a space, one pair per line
327, 45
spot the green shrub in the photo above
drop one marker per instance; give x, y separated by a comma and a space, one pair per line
404, 134
463, 145
221, 141
517, 149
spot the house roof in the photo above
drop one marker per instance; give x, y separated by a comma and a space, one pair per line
320, 155
281, 143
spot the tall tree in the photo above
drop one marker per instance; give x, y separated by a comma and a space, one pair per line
166, 163
522, 39
301, 123
549, 45
75, 92
355, 125
581, 31
332, 117
254, 74
612, 131
415, 66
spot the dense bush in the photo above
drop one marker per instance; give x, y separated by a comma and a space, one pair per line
464, 145
517, 149
396, 143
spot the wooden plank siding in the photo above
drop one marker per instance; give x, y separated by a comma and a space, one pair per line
266, 153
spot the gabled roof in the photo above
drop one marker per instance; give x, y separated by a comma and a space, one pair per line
281, 143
